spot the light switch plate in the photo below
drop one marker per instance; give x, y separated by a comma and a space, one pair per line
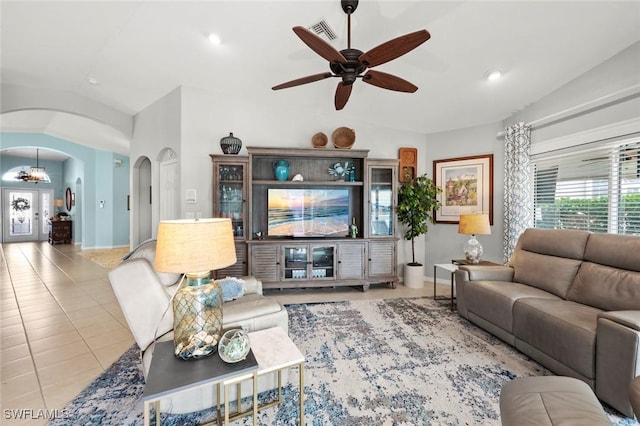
190, 196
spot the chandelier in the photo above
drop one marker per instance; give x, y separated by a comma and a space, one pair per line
37, 174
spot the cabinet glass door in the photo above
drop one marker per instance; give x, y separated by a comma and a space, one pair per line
381, 202
230, 191
295, 263
322, 262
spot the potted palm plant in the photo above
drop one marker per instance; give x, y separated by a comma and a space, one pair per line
417, 204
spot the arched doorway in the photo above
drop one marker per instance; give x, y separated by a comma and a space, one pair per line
142, 200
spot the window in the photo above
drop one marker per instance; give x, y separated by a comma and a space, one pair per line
593, 187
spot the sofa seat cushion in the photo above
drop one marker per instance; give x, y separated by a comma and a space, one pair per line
493, 300
248, 307
563, 330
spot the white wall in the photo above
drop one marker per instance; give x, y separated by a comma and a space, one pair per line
606, 94
192, 122
206, 117
156, 128
443, 242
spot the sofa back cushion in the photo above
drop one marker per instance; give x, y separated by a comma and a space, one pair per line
606, 288
618, 251
549, 259
609, 278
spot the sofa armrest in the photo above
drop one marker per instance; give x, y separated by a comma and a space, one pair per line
630, 319
467, 273
252, 285
488, 273
617, 357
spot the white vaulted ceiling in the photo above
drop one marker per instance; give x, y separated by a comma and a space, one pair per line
138, 51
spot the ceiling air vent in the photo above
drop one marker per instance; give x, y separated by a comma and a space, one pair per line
321, 28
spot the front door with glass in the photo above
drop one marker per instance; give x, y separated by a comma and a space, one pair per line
25, 214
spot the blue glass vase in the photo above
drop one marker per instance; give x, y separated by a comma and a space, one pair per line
281, 169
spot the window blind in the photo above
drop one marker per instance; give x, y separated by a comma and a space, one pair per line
593, 187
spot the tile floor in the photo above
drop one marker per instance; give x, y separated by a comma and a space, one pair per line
61, 325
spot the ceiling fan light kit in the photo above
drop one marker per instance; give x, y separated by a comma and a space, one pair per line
37, 174
350, 64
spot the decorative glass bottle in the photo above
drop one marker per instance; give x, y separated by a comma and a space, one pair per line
197, 316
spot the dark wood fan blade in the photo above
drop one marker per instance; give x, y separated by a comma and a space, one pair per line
393, 49
342, 95
388, 81
319, 46
303, 80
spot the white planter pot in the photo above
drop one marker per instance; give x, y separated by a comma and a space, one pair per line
414, 276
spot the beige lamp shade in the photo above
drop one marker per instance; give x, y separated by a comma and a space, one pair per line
58, 203
474, 224
189, 246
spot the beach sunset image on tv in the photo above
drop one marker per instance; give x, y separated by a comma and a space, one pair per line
307, 212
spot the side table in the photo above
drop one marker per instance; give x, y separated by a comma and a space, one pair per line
275, 351
169, 375
452, 268
272, 350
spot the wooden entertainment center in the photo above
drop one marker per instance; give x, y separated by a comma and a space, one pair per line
242, 186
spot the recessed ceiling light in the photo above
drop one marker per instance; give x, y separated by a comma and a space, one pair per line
493, 75
214, 39
92, 81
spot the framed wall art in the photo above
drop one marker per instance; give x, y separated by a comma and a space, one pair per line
467, 187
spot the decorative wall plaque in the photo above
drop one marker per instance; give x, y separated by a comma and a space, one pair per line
408, 164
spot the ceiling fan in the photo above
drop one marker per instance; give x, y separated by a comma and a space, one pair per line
350, 64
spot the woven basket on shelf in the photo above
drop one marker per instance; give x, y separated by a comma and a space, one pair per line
319, 140
343, 138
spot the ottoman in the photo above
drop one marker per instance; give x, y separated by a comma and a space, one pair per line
550, 400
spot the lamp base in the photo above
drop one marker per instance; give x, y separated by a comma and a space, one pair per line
197, 317
473, 250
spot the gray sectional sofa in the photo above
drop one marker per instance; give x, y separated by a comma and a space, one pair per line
568, 299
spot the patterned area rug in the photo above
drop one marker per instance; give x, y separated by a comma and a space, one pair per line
107, 258
377, 362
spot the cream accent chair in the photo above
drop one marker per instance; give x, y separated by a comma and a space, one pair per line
145, 299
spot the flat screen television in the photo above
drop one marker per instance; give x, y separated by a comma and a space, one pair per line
314, 212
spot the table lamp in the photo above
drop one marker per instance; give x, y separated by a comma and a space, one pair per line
58, 203
473, 224
195, 248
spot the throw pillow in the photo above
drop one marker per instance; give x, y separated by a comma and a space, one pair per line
232, 288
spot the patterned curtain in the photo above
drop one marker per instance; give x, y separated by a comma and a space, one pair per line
517, 197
